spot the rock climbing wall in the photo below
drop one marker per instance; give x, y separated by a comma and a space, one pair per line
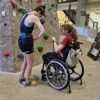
6, 48
52, 19
51, 28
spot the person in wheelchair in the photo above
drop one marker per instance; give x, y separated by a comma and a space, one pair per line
56, 69
61, 50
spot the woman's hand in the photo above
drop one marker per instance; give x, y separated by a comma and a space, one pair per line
53, 39
35, 38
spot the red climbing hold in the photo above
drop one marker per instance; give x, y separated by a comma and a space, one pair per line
13, 4
6, 53
38, 1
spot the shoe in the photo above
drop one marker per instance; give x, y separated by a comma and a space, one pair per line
22, 80
27, 83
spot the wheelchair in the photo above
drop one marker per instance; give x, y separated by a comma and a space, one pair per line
58, 74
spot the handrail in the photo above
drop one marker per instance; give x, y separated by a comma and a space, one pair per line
91, 19
71, 15
95, 24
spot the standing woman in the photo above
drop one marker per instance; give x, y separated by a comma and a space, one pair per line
26, 41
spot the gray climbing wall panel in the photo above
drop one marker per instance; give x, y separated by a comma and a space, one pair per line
5, 37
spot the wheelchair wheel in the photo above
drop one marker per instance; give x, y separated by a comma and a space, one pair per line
57, 74
76, 72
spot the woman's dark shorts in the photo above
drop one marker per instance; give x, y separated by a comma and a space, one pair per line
26, 44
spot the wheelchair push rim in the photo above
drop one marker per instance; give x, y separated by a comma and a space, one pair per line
57, 75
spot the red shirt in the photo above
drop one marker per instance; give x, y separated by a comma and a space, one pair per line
68, 39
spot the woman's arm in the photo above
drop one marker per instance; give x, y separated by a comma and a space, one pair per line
57, 48
40, 26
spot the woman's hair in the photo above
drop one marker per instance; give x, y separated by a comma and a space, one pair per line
71, 30
41, 9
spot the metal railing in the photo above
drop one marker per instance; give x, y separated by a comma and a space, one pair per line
71, 15
65, 1
93, 24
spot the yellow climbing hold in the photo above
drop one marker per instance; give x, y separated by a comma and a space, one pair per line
34, 82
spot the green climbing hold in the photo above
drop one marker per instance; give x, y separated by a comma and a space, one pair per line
52, 5
21, 14
40, 48
46, 37
49, 9
22, 10
5, 59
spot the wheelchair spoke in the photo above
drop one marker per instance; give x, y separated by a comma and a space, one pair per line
51, 75
58, 82
61, 80
76, 73
57, 67
57, 79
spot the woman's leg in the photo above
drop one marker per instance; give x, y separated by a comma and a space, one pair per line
23, 67
29, 58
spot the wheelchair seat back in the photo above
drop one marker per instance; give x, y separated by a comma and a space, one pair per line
74, 54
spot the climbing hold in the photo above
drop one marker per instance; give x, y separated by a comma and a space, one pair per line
52, 5
14, 7
5, 59
38, 1
22, 10
55, 18
6, 53
13, 4
14, 13
40, 48
21, 15
34, 82
25, 0
5, 24
51, 22
49, 9
46, 37
3, 13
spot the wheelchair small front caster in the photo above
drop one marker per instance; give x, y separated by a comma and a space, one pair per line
43, 77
